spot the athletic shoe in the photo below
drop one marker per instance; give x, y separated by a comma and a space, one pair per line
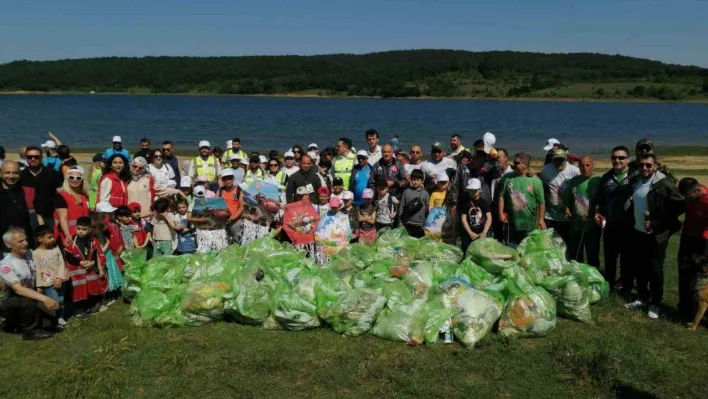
638, 304
83, 316
62, 323
36, 335
654, 312
111, 302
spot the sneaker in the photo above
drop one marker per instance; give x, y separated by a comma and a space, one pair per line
61, 322
103, 308
36, 335
83, 316
111, 302
654, 312
95, 309
638, 304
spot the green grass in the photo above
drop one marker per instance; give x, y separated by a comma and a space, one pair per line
623, 354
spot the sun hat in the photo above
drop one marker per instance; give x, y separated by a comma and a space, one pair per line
442, 177
204, 143
234, 157
313, 145
50, 144
229, 143
474, 184
489, 140
244, 162
368, 194
262, 159
105, 207
551, 143
362, 153
289, 154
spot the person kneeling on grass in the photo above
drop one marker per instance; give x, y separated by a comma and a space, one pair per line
413, 211
23, 308
86, 263
476, 215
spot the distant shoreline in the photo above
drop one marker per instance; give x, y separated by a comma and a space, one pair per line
313, 95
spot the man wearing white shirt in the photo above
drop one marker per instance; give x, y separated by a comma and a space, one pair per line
436, 164
372, 137
290, 166
555, 177
414, 162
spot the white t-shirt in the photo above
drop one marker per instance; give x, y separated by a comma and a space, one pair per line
409, 167
164, 175
374, 156
290, 171
14, 270
431, 168
641, 204
555, 183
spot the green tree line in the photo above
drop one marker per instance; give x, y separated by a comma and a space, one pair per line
403, 73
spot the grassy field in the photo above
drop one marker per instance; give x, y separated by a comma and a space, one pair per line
624, 354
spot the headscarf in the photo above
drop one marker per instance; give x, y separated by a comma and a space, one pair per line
137, 175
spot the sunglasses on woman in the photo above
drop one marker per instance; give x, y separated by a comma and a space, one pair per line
75, 178
137, 167
273, 165
157, 156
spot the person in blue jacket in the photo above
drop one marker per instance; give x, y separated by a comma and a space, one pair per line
117, 149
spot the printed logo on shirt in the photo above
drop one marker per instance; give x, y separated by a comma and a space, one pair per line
529, 188
6, 269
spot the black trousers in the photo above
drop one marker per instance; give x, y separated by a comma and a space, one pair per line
648, 266
617, 241
415, 231
22, 314
585, 246
687, 270
563, 230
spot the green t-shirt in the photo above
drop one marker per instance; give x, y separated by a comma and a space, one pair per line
522, 196
621, 176
580, 190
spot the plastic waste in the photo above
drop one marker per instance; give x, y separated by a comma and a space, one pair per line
492, 255
590, 276
437, 315
476, 312
542, 241
530, 310
354, 312
404, 324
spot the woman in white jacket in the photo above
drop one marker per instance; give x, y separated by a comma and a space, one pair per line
161, 171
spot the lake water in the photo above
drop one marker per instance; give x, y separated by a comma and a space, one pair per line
89, 121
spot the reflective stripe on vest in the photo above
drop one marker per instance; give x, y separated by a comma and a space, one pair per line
206, 168
280, 177
248, 177
343, 168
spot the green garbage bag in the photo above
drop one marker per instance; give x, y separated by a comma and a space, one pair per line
397, 293
263, 246
149, 303
476, 312
492, 255
473, 273
133, 257
204, 302
381, 269
305, 286
354, 312
390, 243
542, 241
573, 301
443, 271
132, 270
436, 252
419, 278
530, 310
436, 314
590, 276
355, 256
252, 305
173, 315
362, 279
163, 273
405, 324
329, 289
292, 312
286, 265
196, 261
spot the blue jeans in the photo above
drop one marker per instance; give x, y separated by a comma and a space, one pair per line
57, 295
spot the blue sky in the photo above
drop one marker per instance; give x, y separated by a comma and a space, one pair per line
670, 30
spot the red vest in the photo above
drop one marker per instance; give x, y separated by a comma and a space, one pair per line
74, 212
119, 190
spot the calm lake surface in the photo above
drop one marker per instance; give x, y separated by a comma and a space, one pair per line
89, 121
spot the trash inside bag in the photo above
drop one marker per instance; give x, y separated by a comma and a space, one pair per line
530, 310
590, 276
492, 255
437, 313
354, 312
404, 324
540, 241
573, 301
477, 312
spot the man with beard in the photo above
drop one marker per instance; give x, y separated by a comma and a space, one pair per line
374, 152
14, 207
45, 181
435, 165
389, 169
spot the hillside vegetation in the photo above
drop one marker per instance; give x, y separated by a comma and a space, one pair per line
405, 73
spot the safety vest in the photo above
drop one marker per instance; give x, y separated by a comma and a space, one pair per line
73, 212
119, 190
280, 177
249, 176
229, 152
343, 167
206, 168
458, 150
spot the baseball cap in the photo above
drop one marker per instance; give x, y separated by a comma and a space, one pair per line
442, 177
135, 207
347, 195
262, 159
335, 202
474, 184
644, 145
204, 143
185, 182
551, 143
117, 139
302, 190
75, 168
50, 144
489, 140
199, 191
105, 207
437, 147
362, 153
244, 162
323, 191
313, 145
234, 157
228, 172
337, 181
559, 153
202, 179
97, 157
368, 193
255, 159
289, 154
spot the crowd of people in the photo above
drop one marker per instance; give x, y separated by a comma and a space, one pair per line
64, 228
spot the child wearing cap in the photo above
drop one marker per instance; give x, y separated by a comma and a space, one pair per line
348, 208
141, 227
367, 219
386, 206
202, 182
322, 206
476, 215
437, 198
186, 187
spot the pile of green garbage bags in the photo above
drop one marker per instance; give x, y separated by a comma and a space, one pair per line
416, 291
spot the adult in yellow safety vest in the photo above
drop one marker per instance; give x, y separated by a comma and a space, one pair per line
254, 170
205, 164
234, 148
456, 146
345, 160
275, 173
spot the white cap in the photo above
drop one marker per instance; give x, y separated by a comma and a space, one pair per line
347, 195
202, 179
50, 144
362, 153
229, 144
185, 182
117, 139
289, 154
105, 207
204, 143
474, 184
302, 190
228, 172
489, 140
368, 193
244, 162
313, 145
75, 168
442, 177
263, 159
234, 157
200, 191
551, 143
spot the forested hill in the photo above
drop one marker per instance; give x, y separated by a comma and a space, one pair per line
406, 73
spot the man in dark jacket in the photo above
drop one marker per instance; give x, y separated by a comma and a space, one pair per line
305, 177
646, 146
44, 180
144, 150
168, 156
389, 169
13, 203
654, 209
607, 207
